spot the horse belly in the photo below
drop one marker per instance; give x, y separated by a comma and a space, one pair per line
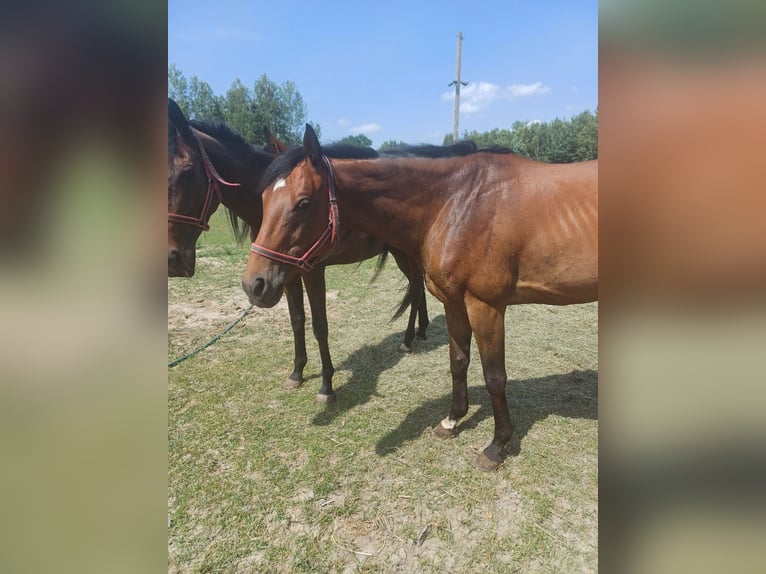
355, 247
558, 279
558, 257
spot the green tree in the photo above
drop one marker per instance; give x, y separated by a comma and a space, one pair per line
204, 103
391, 144
178, 89
194, 96
560, 141
293, 112
279, 108
585, 126
238, 112
358, 139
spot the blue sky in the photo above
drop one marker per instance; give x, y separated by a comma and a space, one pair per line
383, 68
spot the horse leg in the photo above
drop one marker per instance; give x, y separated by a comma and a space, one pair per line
294, 295
315, 289
416, 291
488, 324
459, 358
409, 333
423, 321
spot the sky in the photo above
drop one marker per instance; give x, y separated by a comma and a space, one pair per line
383, 68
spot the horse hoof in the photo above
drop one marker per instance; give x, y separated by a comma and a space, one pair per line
405, 349
441, 432
324, 399
292, 384
486, 464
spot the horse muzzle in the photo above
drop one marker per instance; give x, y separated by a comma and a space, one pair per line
262, 291
180, 263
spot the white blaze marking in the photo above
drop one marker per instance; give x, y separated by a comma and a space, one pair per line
448, 423
280, 183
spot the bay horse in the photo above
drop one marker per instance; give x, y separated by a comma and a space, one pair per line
490, 229
197, 150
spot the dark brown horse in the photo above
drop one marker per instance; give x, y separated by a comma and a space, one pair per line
209, 164
490, 229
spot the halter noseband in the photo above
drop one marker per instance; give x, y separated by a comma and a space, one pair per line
213, 179
307, 261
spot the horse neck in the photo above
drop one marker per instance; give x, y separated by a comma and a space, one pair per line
245, 167
379, 198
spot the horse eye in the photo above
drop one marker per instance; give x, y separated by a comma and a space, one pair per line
303, 203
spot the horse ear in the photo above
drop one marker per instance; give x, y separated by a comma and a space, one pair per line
274, 146
177, 119
311, 145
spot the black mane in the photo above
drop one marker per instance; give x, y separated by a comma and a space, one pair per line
461, 148
286, 162
171, 139
496, 149
220, 131
176, 121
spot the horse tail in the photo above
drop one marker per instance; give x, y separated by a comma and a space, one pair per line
405, 304
381, 262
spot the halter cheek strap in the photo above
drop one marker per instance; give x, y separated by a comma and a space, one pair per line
310, 258
213, 179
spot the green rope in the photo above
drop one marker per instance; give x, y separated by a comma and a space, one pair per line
172, 364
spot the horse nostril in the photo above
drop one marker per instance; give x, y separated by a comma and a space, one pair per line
258, 287
173, 257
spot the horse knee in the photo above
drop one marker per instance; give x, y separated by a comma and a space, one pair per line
459, 366
496, 384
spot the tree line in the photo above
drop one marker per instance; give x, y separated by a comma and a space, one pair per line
281, 109
248, 110
558, 141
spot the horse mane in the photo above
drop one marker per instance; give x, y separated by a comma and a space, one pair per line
349, 151
176, 121
286, 162
239, 226
496, 149
220, 131
235, 142
461, 148
172, 146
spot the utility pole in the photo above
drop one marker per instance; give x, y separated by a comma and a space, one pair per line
457, 83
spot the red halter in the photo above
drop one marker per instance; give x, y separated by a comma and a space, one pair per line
307, 261
213, 179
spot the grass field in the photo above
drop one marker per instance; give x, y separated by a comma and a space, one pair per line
262, 479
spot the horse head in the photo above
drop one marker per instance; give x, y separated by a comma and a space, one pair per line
299, 223
187, 191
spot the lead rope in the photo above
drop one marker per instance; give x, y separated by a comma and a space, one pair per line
173, 363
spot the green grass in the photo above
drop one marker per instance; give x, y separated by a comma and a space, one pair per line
262, 479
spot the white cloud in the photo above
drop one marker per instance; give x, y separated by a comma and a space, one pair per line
344, 122
365, 129
574, 89
521, 90
475, 97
